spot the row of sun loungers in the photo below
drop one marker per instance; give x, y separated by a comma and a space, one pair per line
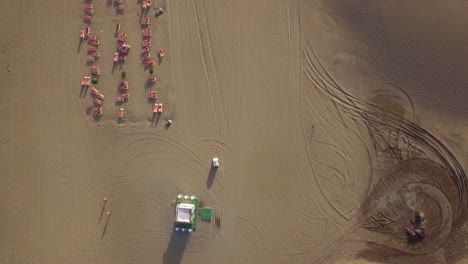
121, 55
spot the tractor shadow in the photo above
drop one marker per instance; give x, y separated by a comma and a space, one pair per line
176, 247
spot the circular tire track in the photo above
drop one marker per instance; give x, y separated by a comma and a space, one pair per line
409, 186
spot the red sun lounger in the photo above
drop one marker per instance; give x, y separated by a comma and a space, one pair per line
94, 91
95, 70
121, 7
86, 81
119, 99
117, 28
160, 53
82, 34
152, 79
122, 37
91, 59
92, 48
88, 18
153, 95
160, 108
92, 37
149, 63
144, 21
118, 1
145, 49
89, 10
98, 111
146, 56
123, 85
147, 32
120, 114
125, 96
95, 42
88, 5
143, 4
97, 102
116, 57
99, 96
155, 108
148, 3
146, 43
96, 54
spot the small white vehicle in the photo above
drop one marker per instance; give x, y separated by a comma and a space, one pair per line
215, 162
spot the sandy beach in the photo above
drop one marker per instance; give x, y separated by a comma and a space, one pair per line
333, 122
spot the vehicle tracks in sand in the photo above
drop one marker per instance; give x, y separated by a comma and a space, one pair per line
372, 115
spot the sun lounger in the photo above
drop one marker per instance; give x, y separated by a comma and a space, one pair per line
95, 70
144, 21
88, 5
143, 4
92, 48
122, 57
95, 42
152, 79
89, 10
149, 63
116, 57
125, 96
90, 59
148, 3
92, 37
96, 54
94, 91
160, 53
82, 34
145, 49
121, 7
160, 108
147, 32
122, 37
146, 43
155, 108
123, 85
87, 31
119, 99
97, 102
99, 96
117, 28
86, 81
120, 114
118, 1
98, 111
146, 56
88, 18
153, 95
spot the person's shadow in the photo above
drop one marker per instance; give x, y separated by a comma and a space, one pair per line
176, 247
